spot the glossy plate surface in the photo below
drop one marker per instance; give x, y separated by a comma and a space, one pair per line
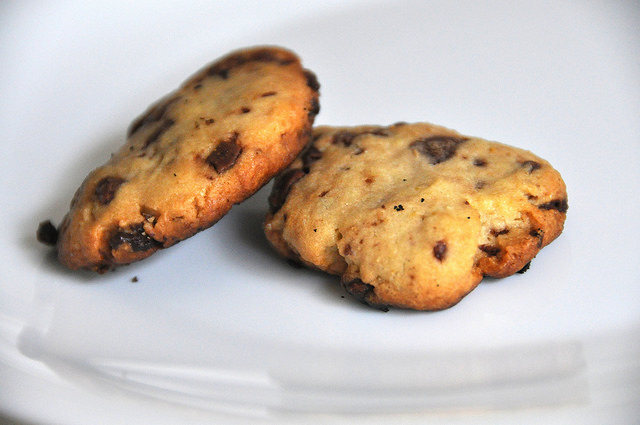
219, 329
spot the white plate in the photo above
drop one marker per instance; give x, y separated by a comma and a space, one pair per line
220, 330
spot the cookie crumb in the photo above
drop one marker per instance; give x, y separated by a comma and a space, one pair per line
134, 279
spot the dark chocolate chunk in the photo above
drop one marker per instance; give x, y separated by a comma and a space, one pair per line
561, 205
363, 292
225, 155
398, 207
155, 114
153, 137
531, 166
440, 250
495, 232
47, 233
344, 138
314, 109
223, 67
309, 156
312, 80
135, 237
538, 233
378, 132
437, 149
281, 187
490, 250
525, 268
106, 189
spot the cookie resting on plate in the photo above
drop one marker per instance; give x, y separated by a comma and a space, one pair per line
414, 215
193, 155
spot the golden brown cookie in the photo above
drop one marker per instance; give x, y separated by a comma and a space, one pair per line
193, 155
414, 215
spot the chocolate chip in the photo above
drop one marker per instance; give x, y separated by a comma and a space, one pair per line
440, 250
377, 132
245, 110
312, 80
363, 292
153, 137
281, 187
225, 155
538, 233
106, 189
269, 93
155, 114
47, 233
480, 162
398, 207
223, 67
560, 205
490, 250
531, 166
314, 109
310, 155
344, 138
437, 149
525, 268
135, 237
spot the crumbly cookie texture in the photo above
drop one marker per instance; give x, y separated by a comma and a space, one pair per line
414, 215
193, 155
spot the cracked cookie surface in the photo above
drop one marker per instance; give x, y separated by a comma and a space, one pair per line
414, 215
190, 157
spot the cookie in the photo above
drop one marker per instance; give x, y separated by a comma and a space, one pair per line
414, 215
190, 157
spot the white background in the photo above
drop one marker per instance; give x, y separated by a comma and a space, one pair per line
220, 330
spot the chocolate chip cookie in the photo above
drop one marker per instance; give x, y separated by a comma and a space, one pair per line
414, 215
190, 157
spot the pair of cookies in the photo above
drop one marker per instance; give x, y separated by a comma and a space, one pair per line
409, 215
